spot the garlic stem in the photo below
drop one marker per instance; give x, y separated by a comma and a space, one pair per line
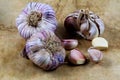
34, 18
79, 18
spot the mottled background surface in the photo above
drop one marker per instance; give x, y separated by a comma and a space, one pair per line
14, 67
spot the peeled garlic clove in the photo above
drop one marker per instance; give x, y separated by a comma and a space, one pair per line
95, 54
76, 57
45, 50
70, 43
100, 43
34, 17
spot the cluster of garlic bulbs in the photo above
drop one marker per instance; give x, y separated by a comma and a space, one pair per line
34, 17
37, 24
85, 23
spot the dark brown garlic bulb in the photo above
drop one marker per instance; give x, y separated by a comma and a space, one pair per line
85, 23
45, 50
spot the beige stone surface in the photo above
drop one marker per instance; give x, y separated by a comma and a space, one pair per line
14, 67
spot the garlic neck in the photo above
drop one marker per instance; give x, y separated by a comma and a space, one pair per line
51, 46
34, 18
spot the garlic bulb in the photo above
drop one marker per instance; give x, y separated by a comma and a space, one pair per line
45, 50
34, 17
85, 23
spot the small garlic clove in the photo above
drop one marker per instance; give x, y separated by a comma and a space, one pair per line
76, 57
70, 24
95, 54
93, 30
70, 43
84, 25
100, 43
101, 25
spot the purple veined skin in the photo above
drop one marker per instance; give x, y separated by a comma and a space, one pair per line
45, 50
95, 55
34, 17
85, 23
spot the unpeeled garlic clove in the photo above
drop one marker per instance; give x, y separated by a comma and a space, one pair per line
70, 43
95, 54
101, 25
93, 31
100, 43
76, 57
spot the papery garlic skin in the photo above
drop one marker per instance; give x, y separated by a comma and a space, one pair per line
95, 55
34, 17
85, 23
69, 44
45, 50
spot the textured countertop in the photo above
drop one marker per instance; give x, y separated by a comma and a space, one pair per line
14, 67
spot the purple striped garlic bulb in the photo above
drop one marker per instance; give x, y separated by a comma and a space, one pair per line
34, 17
45, 50
85, 23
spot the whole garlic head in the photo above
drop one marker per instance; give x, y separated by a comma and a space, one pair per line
85, 23
34, 17
45, 50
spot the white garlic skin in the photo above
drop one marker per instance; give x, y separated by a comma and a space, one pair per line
93, 31
76, 57
69, 43
45, 50
85, 23
46, 19
95, 55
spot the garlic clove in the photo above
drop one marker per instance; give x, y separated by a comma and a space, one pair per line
70, 43
70, 24
76, 57
84, 26
95, 54
101, 25
100, 43
93, 30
